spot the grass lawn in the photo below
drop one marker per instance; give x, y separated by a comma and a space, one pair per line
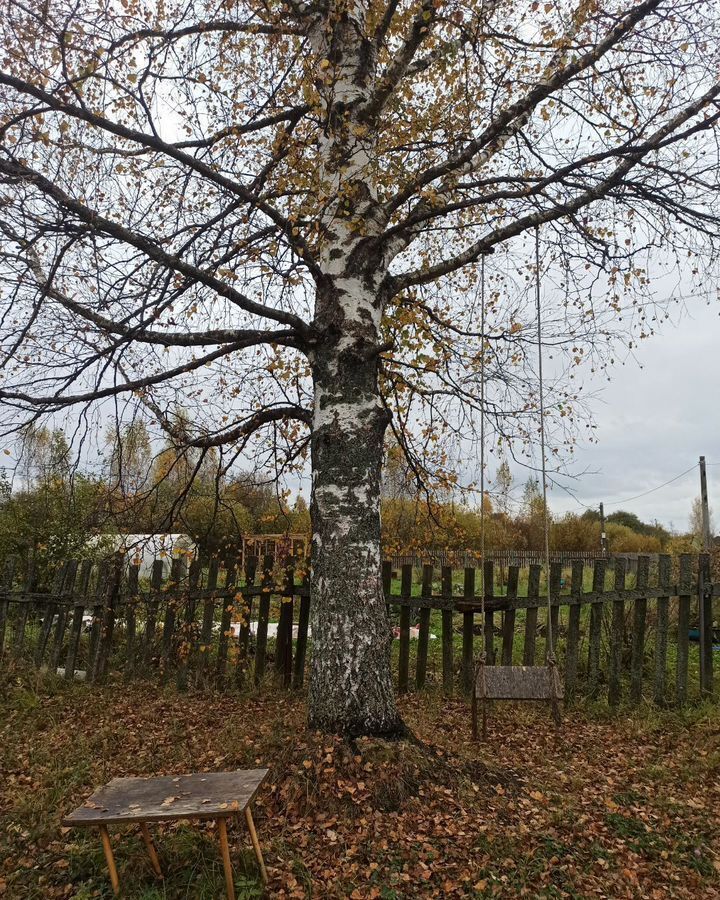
611, 806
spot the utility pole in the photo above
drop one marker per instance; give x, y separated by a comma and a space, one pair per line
705, 592
603, 534
706, 537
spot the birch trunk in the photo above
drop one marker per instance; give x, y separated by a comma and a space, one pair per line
351, 690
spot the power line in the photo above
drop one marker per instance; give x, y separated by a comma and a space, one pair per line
637, 496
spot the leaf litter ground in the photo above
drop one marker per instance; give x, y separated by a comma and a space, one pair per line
609, 806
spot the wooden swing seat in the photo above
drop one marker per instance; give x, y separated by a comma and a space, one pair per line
518, 683
515, 683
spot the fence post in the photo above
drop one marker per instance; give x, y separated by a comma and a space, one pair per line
131, 618
617, 636
489, 624
706, 629
244, 636
637, 658
683, 637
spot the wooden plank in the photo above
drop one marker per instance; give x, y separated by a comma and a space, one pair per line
706, 625
424, 628
468, 636
302, 638
489, 623
5, 591
617, 637
102, 577
519, 683
102, 658
595, 633
201, 795
188, 635
637, 653
509, 615
225, 622
683, 644
24, 611
51, 607
208, 620
63, 611
661, 631
386, 570
133, 600
572, 649
284, 646
263, 618
554, 633
532, 615
404, 650
156, 580
77, 621
447, 633
245, 615
173, 602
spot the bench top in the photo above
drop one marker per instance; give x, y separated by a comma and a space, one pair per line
202, 795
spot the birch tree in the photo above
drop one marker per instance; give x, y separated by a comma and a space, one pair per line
274, 213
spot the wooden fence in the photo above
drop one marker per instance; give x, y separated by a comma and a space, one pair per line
207, 625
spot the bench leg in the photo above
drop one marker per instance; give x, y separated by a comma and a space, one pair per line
151, 849
110, 859
256, 844
225, 850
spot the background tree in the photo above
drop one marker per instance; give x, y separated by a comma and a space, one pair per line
274, 213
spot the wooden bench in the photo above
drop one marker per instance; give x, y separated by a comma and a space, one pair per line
169, 798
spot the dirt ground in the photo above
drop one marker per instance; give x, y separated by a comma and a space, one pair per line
621, 806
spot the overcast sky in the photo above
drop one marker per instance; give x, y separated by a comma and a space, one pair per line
653, 423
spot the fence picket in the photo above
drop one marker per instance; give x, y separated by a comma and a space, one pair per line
423, 628
531, 615
263, 618
468, 626
595, 635
683, 638
661, 632
573, 639
447, 633
617, 636
77, 621
509, 616
637, 653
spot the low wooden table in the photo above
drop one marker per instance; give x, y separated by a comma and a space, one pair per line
168, 798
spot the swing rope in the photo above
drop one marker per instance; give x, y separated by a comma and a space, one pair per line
550, 651
483, 651
515, 682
